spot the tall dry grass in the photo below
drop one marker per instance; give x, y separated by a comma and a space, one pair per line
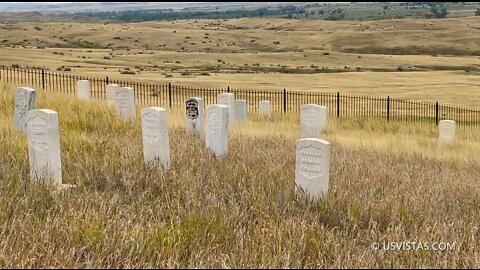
239, 212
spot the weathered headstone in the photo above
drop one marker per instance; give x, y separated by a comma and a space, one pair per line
83, 89
194, 108
447, 132
241, 111
228, 99
313, 120
125, 103
323, 117
24, 102
312, 170
44, 146
217, 129
111, 93
264, 108
156, 149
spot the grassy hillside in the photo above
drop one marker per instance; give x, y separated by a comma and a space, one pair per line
456, 36
431, 60
388, 183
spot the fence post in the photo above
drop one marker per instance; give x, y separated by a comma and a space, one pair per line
284, 100
228, 89
436, 113
388, 109
106, 80
170, 94
43, 79
338, 104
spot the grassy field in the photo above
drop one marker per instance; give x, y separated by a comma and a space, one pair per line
430, 60
389, 182
445, 36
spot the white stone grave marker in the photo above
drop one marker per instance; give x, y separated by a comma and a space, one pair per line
111, 93
313, 120
194, 108
264, 108
241, 111
447, 132
217, 130
323, 117
125, 103
83, 89
44, 146
24, 102
156, 149
228, 99
312, 170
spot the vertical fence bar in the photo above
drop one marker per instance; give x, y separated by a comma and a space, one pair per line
43, 79
436, 113
388, 109
338, 104
170, 94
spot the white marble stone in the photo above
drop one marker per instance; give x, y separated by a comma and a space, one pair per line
313, 120
323, 117
83, 89
447, 132
217, 130
125, 103
44, 146
312, 170
264, 108
194, 115
228, 99
24, 102
111, 93
156, 149
241, 111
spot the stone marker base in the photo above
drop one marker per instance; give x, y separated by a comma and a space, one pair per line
65, 186
59, 188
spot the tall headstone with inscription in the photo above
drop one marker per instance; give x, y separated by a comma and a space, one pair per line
228, 99
83, 89
125, 103
313, 120
312, 170
194, 108
24, 102
156, 149
447, 132
44, 146
111, 93
264, 108
241, 111
217, 130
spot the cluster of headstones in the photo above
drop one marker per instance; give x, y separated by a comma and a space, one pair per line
312, 155
220, 118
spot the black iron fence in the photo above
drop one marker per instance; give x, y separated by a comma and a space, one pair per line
169, 95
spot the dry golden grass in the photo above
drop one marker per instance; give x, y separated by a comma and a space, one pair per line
230, 57
457, 88
388, 183
442, 35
